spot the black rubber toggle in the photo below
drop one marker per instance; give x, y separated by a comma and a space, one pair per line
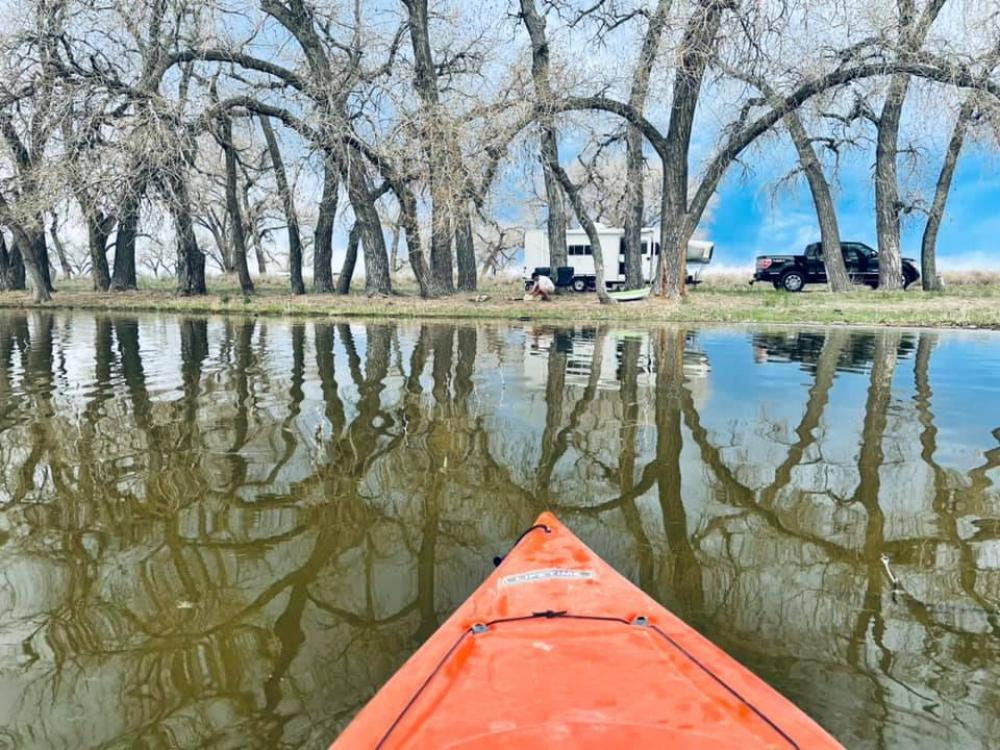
549, 613
499, 558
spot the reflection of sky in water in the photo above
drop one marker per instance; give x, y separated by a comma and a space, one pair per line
965, 379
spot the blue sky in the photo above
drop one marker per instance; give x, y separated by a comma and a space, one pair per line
748, 222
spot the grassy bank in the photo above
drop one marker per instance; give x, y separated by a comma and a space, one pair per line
970, 300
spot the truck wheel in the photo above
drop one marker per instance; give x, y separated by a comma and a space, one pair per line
579, 285
793, 281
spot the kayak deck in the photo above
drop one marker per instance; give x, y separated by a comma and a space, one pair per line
557, 650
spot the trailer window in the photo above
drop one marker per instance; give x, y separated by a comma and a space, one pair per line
579, 250
621, 247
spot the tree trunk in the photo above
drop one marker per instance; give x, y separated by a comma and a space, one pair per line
928, 246
123, 278
258, 250
555, 221
292, 221
323, 238
25, 241
190, 258
40, 250
11, 267
394, 250
377, 280
634, 186
99, 227
634, 197
221, 238
465, 249
350, 259
573, 193
890, 267
826, 212
698, 41
251, 223
442, 276
438, 148
67, 269
912, 31
233, 207
676, 230
414, 246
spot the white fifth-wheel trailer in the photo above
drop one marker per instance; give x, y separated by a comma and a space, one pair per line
580, 257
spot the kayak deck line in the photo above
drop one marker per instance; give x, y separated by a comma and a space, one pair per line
557, 650
638, 621
500, 558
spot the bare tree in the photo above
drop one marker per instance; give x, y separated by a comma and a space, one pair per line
913, 27
437, 149
540, 76
327, 214
928, 245
534, 22
350, 259
233, 209
61, 252
826, 211
81, 138
974, 110
157, 258
11, 266
28, 121
152, 41
635, 163
573, 193
819, 187
291, 219
256, 214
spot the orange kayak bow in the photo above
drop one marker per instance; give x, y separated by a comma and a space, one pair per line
557, 650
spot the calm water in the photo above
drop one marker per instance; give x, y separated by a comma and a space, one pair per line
228, 533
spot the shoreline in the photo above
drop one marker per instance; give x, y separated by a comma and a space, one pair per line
965, 306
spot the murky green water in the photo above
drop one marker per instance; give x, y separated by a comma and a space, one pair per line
228, 533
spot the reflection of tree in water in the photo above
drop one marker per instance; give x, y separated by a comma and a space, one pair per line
241, 545
806, 347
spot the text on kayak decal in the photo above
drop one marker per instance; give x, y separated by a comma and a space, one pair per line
546, 574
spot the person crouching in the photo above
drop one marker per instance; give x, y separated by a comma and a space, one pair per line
543, 288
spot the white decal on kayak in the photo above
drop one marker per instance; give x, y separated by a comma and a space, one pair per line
546, 574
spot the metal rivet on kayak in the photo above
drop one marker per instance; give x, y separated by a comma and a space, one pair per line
479, 627
640, 621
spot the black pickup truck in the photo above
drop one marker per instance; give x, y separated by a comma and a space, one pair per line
793, 272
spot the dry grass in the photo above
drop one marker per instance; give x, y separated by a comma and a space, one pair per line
970, 300
971, 278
